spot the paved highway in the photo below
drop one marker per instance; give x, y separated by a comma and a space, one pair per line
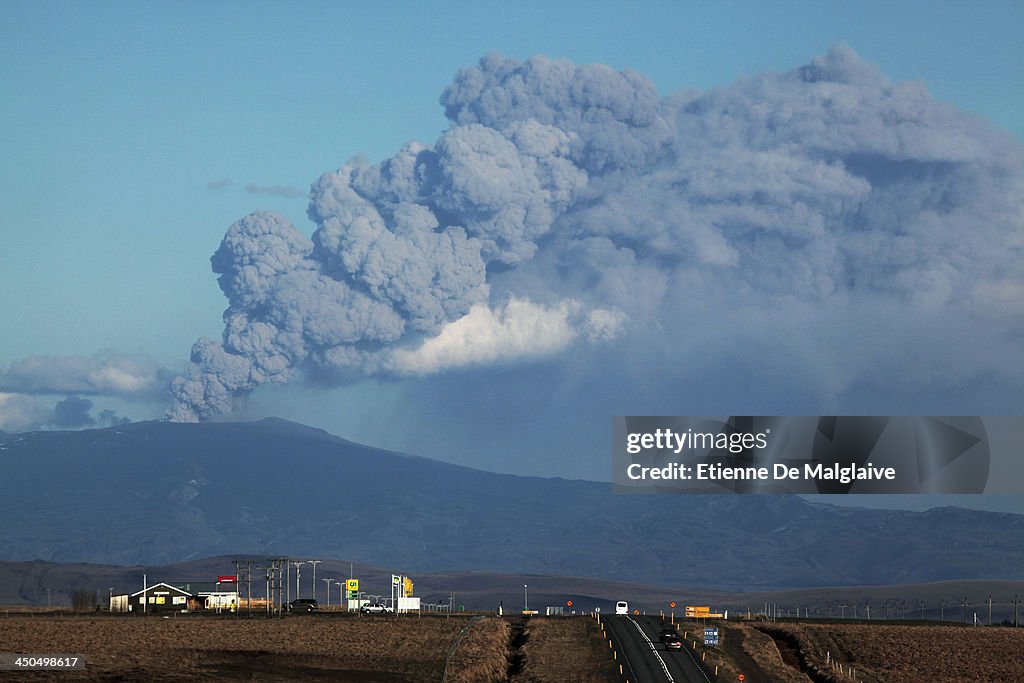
643, 656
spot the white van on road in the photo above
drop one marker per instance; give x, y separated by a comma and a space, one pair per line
622, 607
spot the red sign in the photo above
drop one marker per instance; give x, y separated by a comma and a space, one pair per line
741, 677
227, 579
568, 603
672, 605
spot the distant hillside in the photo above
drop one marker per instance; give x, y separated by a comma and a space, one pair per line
158, 493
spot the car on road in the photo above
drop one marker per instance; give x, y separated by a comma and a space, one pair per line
673, 643
301, 605
622, 607
376, 609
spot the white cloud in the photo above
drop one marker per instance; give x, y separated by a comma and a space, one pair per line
20, 413
520, 329
103, 373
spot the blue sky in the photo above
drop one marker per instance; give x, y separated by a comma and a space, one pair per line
130, 132
116, 116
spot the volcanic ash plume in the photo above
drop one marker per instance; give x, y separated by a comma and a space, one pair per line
566, 204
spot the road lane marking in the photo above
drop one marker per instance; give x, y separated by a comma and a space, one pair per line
664, 666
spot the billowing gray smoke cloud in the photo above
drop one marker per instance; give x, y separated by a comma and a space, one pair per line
569, 204
73, 412
25, 412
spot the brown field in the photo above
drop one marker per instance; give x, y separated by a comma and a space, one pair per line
903, 653
769, 659
362, 649
481, 653
295, 648
564, 650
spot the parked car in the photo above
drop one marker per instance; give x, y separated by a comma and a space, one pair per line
301, 605
376, 609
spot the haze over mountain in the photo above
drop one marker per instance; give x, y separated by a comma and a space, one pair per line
158, 492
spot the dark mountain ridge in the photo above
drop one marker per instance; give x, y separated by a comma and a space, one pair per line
160, 492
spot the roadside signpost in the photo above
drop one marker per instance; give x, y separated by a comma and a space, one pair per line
352, 593
711, 636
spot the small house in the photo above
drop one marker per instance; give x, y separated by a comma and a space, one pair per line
160, 597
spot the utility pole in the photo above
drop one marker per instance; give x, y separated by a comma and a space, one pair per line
965, 604
275, 587
298, 586
314, 563
990, 610
942, 610
526, 599
328, 582
269, 568
243, 577
1015, 603
282, 563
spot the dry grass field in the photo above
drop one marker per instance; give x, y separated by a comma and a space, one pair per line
564, 650
318, 647
905, 654
482, 653
367, 649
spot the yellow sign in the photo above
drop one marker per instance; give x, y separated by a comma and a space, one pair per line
351, 584
407, 587
701, 611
